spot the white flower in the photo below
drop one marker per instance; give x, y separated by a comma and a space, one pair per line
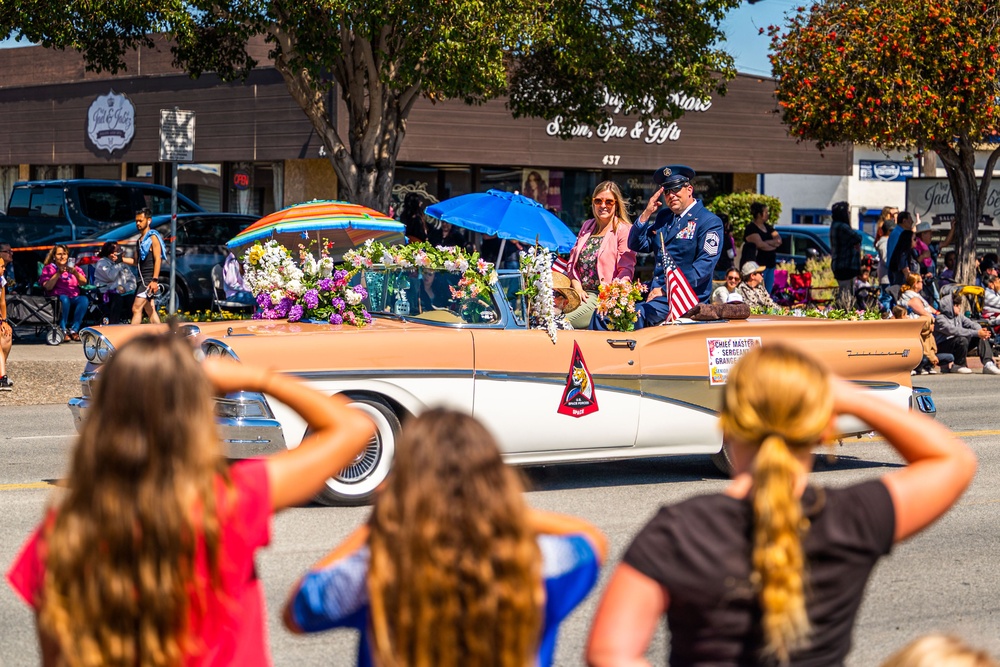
352, 297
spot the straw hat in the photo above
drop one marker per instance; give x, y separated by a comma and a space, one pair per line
561, 284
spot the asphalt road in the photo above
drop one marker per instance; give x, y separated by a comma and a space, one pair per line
944, 579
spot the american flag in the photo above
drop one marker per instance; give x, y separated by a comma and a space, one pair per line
559, 264
680, 294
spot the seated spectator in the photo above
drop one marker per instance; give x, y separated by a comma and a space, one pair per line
955, 334
752, 288
721, 293
114, 281
452, 568
232, 281
991, 297
6, 331
940, 651
149, 550
946, 279
773, 569
61, 277
565, 298
865, 291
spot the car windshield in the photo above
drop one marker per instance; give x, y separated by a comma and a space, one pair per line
426, 295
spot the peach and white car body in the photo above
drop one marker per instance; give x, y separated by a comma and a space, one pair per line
651, 392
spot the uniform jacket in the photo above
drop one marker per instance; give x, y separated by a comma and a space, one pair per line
614, 259
694, 241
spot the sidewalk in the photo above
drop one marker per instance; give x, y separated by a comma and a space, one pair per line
43, 373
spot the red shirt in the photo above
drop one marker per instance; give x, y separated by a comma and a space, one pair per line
232, 630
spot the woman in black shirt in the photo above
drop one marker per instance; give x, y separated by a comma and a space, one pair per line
772, 570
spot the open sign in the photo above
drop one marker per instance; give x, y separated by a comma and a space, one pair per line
241, 180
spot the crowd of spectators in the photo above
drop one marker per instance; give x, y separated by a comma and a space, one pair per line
452, 567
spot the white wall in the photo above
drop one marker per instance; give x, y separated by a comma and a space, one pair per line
804, 191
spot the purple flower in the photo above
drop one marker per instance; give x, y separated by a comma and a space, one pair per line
264, 300
338, 304
336, 319
295, 313
326, 284
340, 276
311, 298
286, 303
367, 317
361, 290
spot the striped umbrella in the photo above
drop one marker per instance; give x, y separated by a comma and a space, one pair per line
341, 224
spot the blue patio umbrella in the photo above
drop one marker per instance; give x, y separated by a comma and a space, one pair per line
506, 215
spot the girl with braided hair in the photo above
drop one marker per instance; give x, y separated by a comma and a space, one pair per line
453, 568
772, 571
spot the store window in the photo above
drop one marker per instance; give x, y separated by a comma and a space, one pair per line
202, 183
252, 187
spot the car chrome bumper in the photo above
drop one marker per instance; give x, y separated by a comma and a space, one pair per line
246, 424
921, 401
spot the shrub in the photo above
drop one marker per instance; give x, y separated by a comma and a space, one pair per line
737, 207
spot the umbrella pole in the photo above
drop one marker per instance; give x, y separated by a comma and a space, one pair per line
500, 252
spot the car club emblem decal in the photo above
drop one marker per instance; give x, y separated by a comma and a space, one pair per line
578, 397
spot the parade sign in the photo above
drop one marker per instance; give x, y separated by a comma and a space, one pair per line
932, 197
724, 352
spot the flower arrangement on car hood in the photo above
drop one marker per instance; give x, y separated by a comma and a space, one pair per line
316, 290
616, 303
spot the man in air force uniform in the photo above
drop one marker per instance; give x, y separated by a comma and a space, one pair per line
691, 234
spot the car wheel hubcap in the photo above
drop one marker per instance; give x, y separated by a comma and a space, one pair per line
363, 464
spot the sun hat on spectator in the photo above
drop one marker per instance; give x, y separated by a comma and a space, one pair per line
561, 284
923, 226
751, 267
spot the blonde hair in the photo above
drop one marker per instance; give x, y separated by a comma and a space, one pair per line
765, 405
121, 548
621, 206
938, 650
451, 550
911, 281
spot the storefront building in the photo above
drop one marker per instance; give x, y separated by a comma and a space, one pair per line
256, 151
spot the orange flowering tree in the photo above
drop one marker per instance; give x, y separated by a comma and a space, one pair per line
898, 74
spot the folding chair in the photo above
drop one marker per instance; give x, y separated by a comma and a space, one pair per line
219, 301
37, 313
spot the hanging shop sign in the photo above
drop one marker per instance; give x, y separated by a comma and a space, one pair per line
110, 125
885, 170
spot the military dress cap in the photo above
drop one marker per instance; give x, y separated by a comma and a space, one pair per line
673, 175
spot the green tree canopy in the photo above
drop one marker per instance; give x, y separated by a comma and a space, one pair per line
571, 58
898, 74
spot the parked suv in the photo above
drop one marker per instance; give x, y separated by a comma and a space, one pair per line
40, 212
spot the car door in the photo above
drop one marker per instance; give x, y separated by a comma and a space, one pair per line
536, 396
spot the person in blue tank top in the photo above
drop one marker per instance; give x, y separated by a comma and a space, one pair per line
452, 568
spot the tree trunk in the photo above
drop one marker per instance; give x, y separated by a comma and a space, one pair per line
960, 166
376, 113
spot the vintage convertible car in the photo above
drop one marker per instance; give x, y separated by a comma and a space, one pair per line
589, 395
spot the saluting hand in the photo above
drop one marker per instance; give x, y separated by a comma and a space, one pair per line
653, 205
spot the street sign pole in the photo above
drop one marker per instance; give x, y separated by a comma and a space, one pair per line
176, 145
173, 238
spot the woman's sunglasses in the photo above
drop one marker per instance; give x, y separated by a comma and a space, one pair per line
610, 203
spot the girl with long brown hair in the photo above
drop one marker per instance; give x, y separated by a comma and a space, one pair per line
772, 570
148, 557
453, 568
601, 251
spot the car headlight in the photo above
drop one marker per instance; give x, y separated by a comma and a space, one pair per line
213, 348
104, 350
90, 342
240, 409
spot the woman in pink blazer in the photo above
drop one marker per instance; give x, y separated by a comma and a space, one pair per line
601, 251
